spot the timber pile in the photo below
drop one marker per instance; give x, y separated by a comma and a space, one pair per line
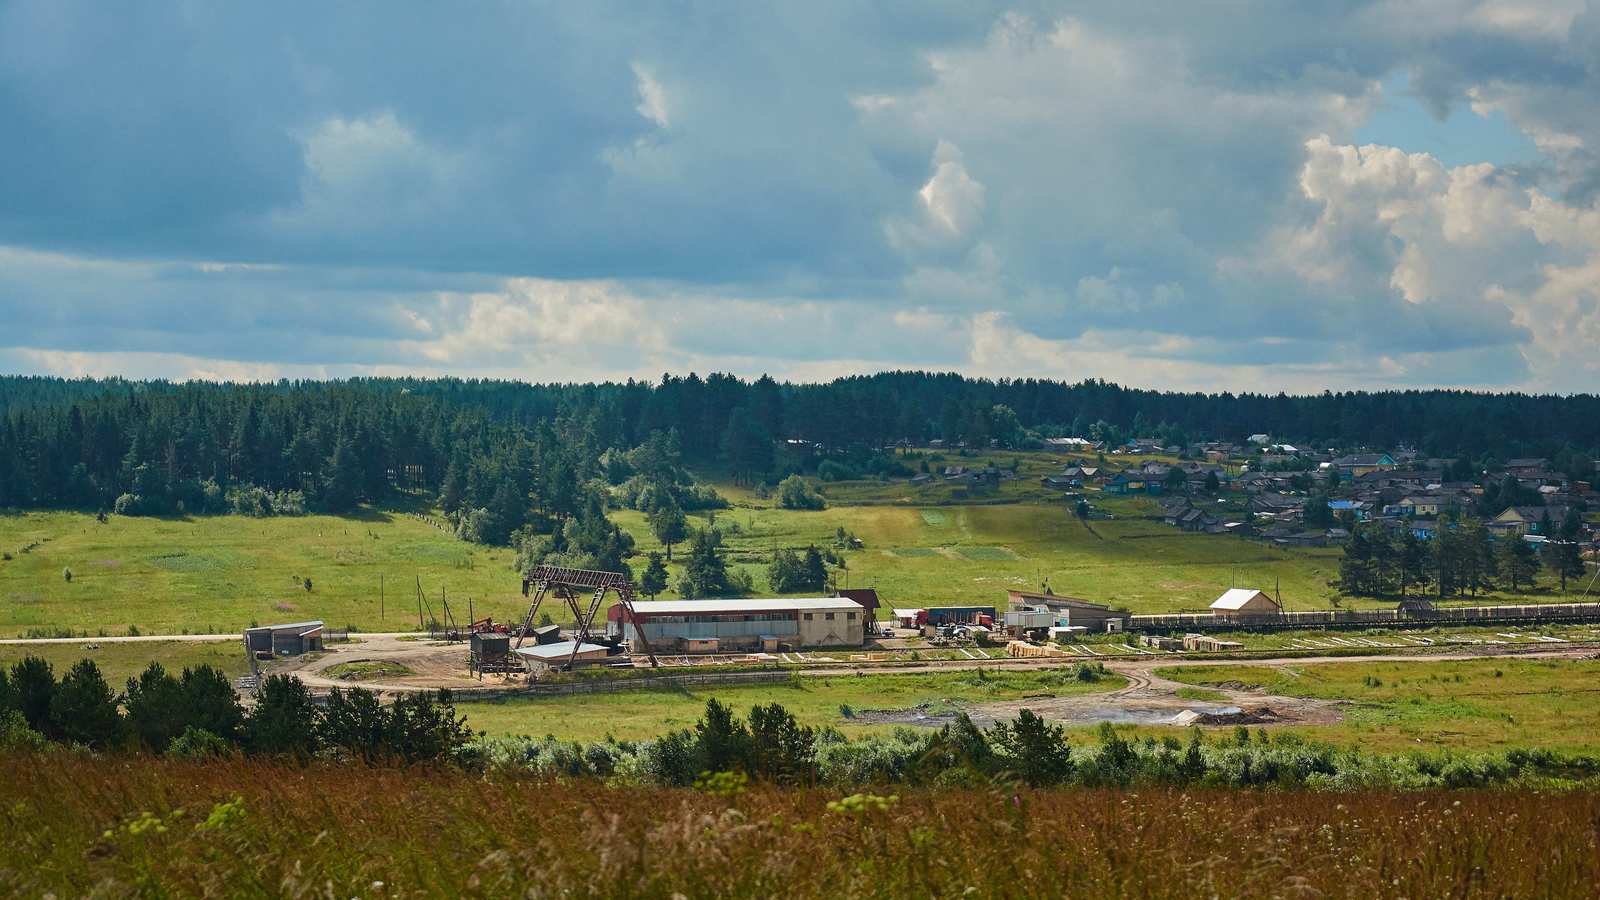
1025, 650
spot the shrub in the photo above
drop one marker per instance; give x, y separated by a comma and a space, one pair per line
795, 493
16, 736
198, 744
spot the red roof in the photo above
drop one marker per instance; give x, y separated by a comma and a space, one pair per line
867, 597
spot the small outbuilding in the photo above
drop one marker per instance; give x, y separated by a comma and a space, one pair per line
1245, 603
291, 639
553, 655
1209, 644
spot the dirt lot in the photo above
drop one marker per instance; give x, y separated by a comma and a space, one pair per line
1147, 699
434, 664
1150, 700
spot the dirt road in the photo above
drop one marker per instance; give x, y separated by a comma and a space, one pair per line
1146, 698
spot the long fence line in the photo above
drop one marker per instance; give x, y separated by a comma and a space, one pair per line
1395, 618
613, 685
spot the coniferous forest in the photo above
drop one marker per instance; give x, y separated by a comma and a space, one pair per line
505, 456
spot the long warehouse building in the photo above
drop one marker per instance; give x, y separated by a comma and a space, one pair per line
720, 626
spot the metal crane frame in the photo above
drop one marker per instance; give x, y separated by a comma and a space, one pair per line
567, 584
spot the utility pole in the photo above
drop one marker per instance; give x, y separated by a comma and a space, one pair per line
380, 596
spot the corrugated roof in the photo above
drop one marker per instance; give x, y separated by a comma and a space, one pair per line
314, 623
559, 650
1237, 598
712, 607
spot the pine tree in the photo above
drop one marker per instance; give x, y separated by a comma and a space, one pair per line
84, 708
654, 579
667, 521
1518, 562
813, 573
705, 574
341, 490
783, 573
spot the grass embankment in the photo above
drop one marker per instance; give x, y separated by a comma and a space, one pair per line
120, 661
1481, 704
79, 825
366, 669
816, 701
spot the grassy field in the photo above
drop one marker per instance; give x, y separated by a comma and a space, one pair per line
635, 715
121, 661
922, 545
1478, 704
85, 826
219, 574
974, 554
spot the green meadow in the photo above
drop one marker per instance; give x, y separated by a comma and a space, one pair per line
921, 545
221, 573
1480, 704
119, 661
845, 702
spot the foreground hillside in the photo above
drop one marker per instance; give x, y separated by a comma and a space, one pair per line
80, 825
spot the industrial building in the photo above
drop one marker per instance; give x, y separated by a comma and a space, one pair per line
721, 626
1064, 611
291, 639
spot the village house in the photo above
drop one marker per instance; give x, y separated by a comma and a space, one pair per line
1351, 467
1526, 467
1524, 520
1133, 482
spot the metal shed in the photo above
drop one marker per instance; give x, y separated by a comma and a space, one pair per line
291, 639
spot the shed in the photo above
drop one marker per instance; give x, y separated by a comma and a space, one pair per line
291, 639
906, 617
491, 653
1244, 603
557, 654
710, 645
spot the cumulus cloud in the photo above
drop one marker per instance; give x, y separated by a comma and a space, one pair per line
599, 190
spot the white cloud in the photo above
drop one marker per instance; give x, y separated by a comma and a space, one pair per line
652, 97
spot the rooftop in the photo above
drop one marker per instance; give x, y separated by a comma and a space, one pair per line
547, 652
288, 626
1237, 598
712, 607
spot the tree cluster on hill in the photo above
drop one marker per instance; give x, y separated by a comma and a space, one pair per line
791, 572
706, 572
1461, 559
197, 714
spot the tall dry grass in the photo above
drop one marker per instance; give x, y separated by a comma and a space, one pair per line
130, 826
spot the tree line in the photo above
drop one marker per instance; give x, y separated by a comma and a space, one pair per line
197, 715
1460, 559
408, 431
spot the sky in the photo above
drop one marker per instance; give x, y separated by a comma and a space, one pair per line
1239, 195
